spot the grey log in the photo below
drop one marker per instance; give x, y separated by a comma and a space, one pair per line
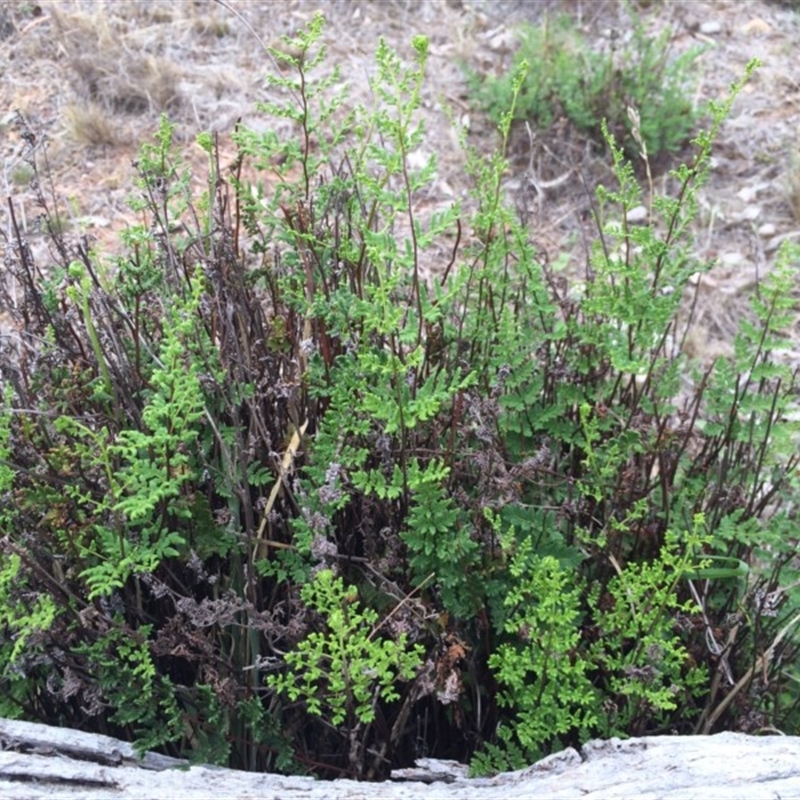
38, 762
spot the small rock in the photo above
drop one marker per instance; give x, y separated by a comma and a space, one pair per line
731, 259
637, 215
750, 213
767, 229
501, 39
93, 221
747, 194
710, 28
703, 280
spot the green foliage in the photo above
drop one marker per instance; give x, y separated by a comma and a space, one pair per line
22, 615
154, 462
310, 479
342, 672
440, 542
567, 77
645, 663
543, 682
129, 682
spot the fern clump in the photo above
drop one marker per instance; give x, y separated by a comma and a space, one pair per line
272, 496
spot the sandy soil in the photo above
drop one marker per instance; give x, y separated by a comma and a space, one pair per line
92, 76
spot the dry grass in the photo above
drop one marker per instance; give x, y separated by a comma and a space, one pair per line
109, 72
90, 124
793, 182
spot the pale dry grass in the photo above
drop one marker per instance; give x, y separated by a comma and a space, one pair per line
90, 124
792, 181
110, 70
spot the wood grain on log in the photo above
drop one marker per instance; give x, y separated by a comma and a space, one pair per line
42, 763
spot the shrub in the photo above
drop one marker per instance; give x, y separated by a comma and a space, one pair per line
271, 498
569, 78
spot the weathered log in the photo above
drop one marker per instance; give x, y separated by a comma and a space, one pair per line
38, 762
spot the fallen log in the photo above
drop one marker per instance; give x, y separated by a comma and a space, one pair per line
38, 762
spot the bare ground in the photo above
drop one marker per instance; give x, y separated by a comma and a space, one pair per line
92, 76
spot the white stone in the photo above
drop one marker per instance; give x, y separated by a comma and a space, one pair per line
748, 193
767, 229
750, 213
732, 259
637, 215
710, 27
